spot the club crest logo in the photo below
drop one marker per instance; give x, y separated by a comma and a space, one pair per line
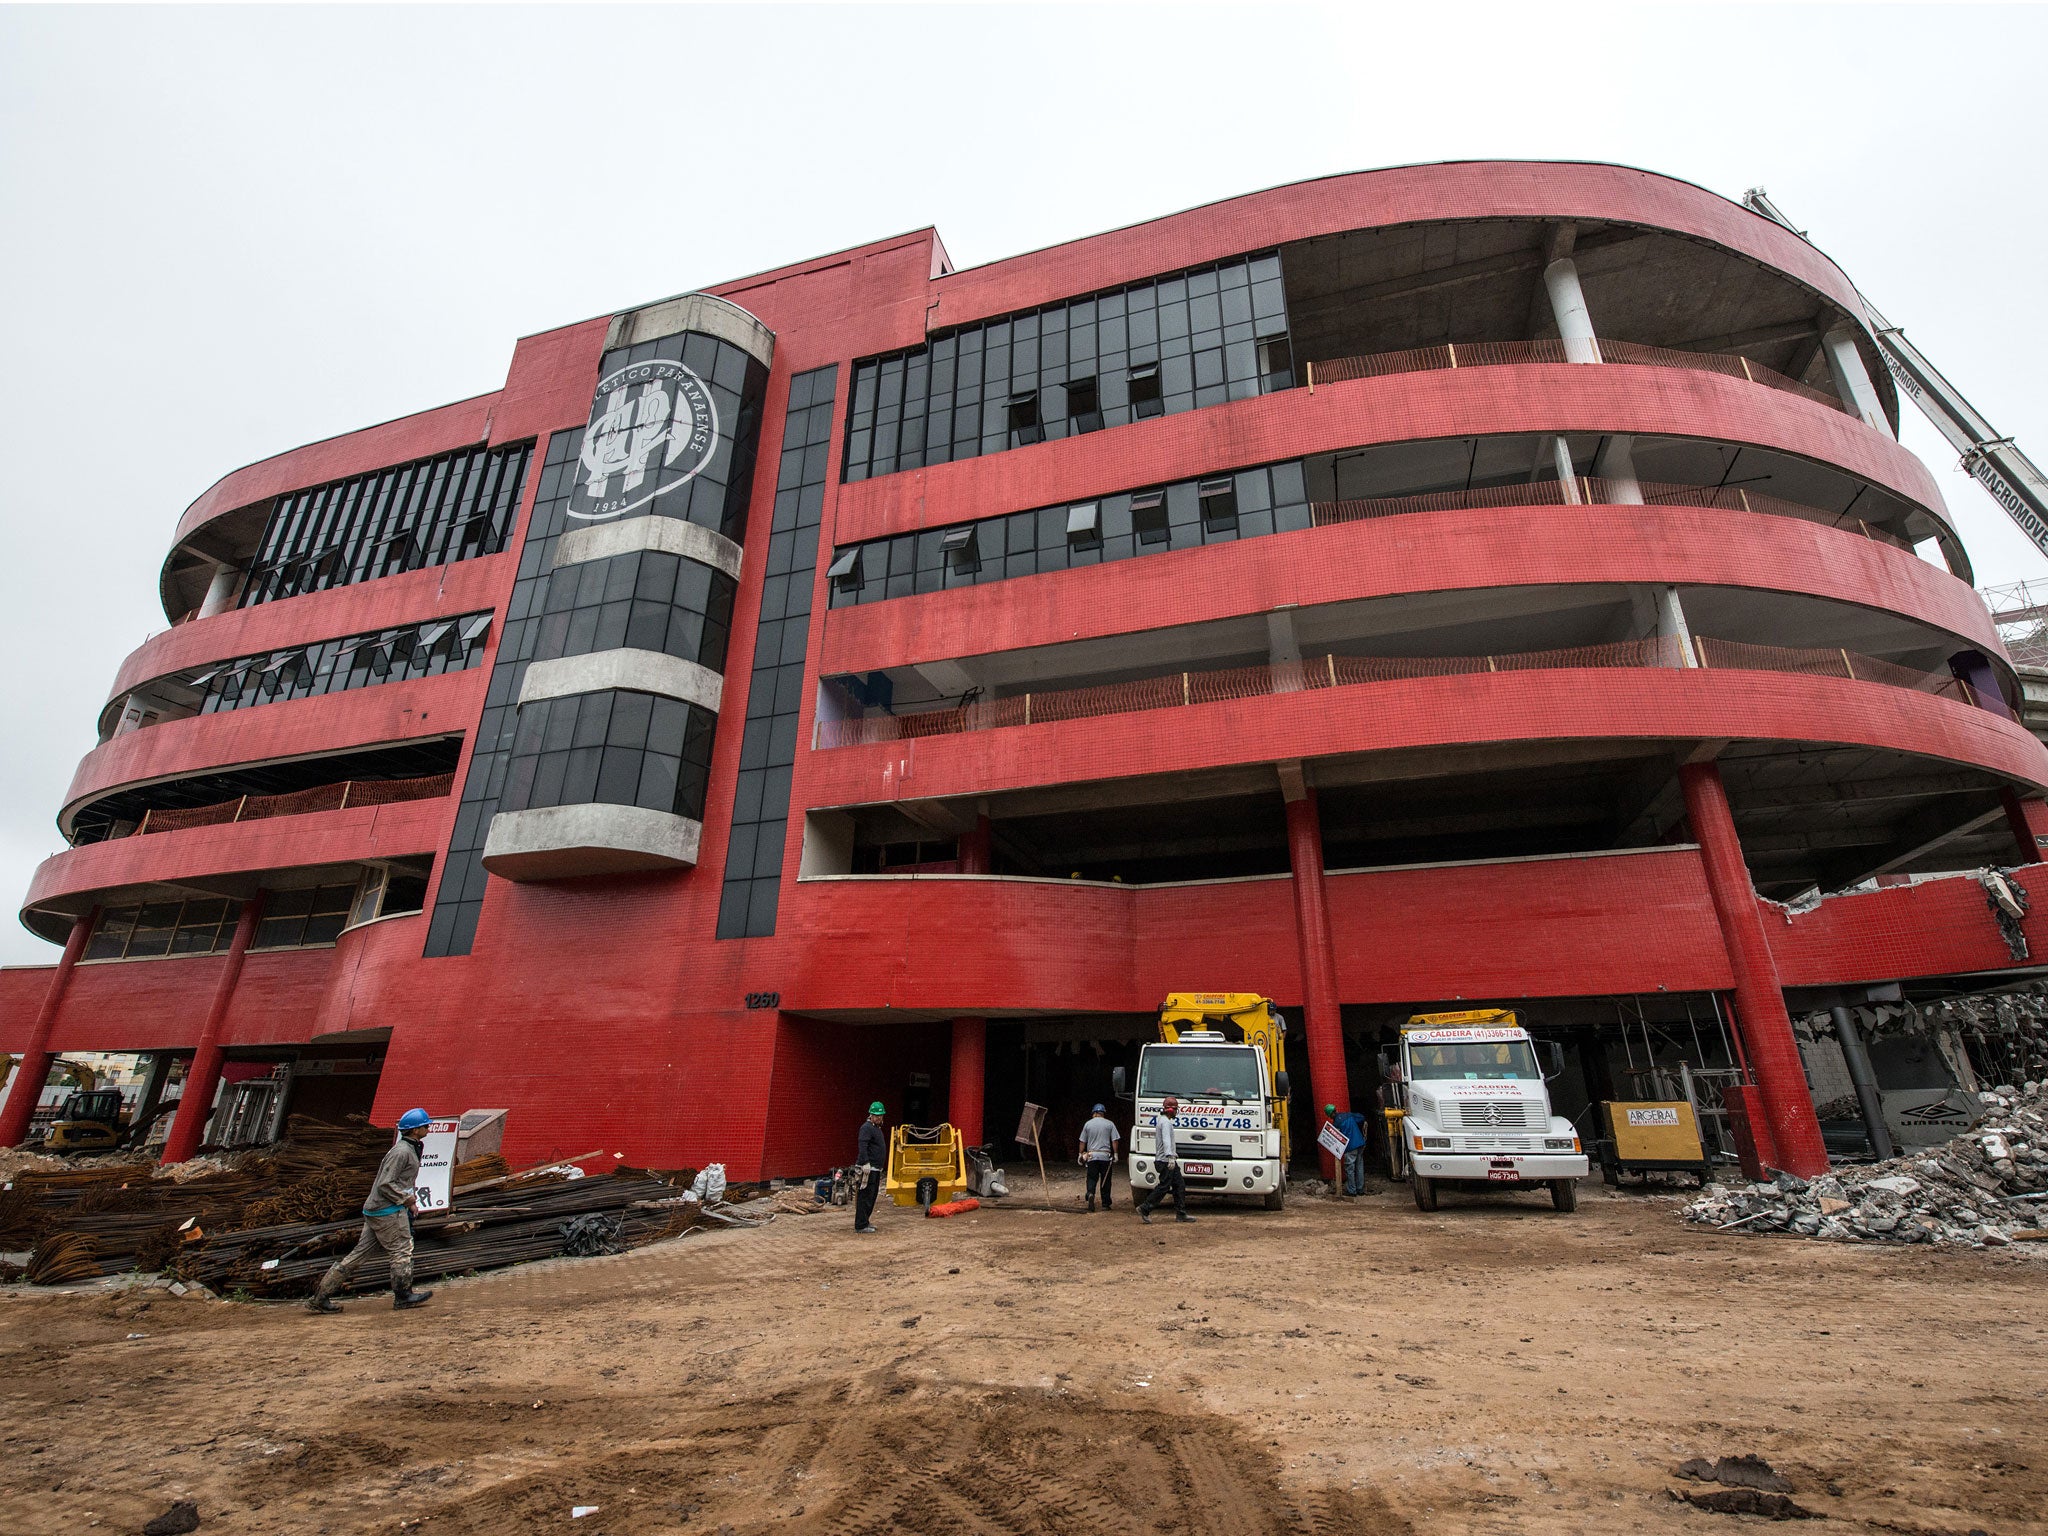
653, 427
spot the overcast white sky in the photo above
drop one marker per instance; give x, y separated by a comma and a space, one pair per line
226, 232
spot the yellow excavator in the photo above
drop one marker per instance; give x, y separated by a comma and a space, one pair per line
90, 1120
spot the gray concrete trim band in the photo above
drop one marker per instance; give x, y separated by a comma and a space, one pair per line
635, 671
704, 313
668, 535
563, 842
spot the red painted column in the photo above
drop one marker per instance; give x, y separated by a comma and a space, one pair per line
1322, 1018
975, 851
1760, 1016
2022, 825
20, 1109
964, 1081
195, 1103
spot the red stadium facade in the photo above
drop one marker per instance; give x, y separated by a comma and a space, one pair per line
1456, 585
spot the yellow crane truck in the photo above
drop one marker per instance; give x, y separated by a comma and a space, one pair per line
1223, 1055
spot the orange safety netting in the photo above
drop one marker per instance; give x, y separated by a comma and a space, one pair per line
1494, 354
1177, 689
1591, 490
1849, 665
324, 797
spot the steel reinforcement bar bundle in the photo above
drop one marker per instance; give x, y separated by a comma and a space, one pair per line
540, 1217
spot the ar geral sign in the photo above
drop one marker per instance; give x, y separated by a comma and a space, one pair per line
653, 427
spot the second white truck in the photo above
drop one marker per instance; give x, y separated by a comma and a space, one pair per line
1476, 1113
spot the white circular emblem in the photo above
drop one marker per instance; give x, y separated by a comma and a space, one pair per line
653, 427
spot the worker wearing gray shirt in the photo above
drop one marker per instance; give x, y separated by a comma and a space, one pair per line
1099, 1137
387, 1222
1167, 1160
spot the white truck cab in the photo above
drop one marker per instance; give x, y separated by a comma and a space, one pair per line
1476, 1111
1231, 1136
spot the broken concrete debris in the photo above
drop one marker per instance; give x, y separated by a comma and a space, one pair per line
180, 1518
1749, 1486
1735, 1472
1978, 1190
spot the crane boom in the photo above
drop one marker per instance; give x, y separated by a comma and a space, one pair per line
1994, 462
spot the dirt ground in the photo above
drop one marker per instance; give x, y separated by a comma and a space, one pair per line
1350, 1367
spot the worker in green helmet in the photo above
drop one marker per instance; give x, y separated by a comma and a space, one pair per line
870, 1157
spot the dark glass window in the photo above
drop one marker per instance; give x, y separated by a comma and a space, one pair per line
429, 512
197, 927
293, 919
1184, 515
645, 600
611, 748
760, 814
1103, 360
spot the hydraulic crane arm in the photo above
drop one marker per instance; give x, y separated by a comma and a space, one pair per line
1994, 462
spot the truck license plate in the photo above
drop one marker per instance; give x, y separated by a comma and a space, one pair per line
1200, 1170
1505, 1175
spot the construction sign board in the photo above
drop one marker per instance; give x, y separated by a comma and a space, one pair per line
437, 1165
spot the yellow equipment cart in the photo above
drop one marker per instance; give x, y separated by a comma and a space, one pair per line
927, 1165
1645, 1137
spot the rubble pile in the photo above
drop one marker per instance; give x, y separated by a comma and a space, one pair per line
1972, 1192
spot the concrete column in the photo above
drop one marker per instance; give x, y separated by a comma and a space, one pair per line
1857, 1060
202, 1078
1283, 651
153, 1087
34, 1071
1766, 1029
1671, 625
1323, 1021
220, 594
1616, 464
1567, 474
2022, 828
1568, 306
1852, 380
964, 1081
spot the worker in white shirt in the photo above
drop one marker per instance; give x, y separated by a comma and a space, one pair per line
1099, 1137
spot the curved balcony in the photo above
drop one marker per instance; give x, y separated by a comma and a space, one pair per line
1469, 192
1548, 703
228, 858
1360, 554
869, 952
1579, 398
244, 494
412, 597
387, 714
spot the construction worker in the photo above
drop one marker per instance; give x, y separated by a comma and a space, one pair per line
1352, 1124
1099, 1137
1167, 1161
870, 1157
387, 1222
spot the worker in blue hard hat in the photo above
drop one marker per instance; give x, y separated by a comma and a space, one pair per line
387, 1222
1099, 1137
870, 1157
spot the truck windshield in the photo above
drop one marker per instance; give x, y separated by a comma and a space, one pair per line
1200, 1071
1487, 1061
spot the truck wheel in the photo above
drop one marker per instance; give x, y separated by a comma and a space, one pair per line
1564, 1194
1276, 1198
1425, 1192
